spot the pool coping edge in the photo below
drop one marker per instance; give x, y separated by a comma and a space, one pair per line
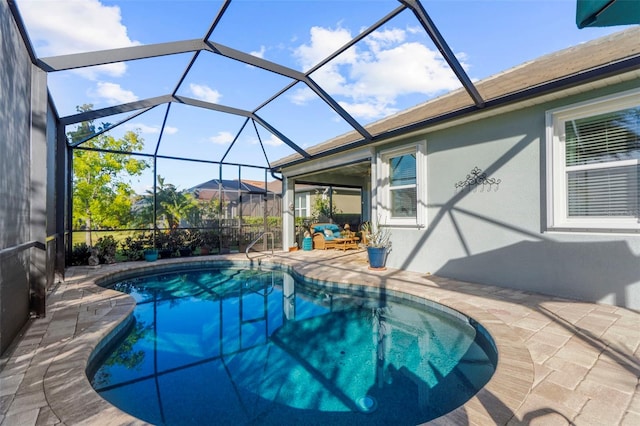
74, 401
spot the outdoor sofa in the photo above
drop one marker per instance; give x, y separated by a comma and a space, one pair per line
324, 235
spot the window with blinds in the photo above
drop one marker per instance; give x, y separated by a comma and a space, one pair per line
598, 150
402, 190
594, 173
402, 181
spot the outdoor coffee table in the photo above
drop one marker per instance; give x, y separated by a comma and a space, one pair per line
345, 243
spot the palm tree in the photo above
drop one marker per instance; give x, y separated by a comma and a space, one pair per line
172, 205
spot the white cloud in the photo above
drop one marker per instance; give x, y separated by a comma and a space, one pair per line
170, 130
222, 138
324, 41
205, 93
259, 53
272, 141
74, 26
368, 79
403, 69
112, 93
146, 129
143, 128
302, 95
378, 40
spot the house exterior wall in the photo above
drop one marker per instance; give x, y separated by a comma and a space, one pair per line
497, 234
15, 185
347, 201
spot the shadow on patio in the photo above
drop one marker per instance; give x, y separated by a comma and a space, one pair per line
584, 356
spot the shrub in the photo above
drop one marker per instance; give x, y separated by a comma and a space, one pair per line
106, 247
133, 247
80, 254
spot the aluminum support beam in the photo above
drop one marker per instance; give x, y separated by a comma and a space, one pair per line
118, 109
209, 105
254, 60
324, 95
444, 49
235, 139
106, 129
152, 102
110, 56
337, 108
280, 136
217, 19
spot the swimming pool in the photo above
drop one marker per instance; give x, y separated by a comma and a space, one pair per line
233, 346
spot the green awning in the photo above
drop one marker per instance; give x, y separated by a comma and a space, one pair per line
607, 13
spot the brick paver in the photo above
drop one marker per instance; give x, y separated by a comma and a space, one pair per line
561, 362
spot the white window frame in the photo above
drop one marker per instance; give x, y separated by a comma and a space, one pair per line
556, 169
384, 187
298, 208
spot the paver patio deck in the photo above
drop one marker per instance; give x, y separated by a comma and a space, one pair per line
560, 361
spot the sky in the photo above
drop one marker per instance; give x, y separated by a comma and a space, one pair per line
395, 68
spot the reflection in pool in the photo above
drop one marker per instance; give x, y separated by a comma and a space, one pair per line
233, 346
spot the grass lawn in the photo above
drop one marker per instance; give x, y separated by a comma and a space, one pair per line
79, 237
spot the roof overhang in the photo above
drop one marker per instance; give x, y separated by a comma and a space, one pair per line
602, 76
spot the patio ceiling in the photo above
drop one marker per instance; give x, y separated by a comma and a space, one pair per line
352, 174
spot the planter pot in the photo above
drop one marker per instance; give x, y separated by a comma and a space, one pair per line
204, 251
151, 255
185, 251
377, 257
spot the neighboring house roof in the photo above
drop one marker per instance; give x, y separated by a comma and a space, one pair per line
209, 190
230, 185
274, 186
499, 89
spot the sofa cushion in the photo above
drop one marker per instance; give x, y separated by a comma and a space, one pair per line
330, 226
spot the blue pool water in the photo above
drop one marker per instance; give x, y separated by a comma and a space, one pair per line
234, 347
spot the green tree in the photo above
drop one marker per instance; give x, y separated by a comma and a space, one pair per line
102, 191
322, 208
212, 209
172, 206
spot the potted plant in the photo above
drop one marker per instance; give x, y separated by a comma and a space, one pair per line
378, 243
150, 254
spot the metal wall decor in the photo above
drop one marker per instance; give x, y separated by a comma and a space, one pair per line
477, 179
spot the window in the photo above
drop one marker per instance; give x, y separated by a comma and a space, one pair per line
402, 185
301, 205
402, 178
593, 167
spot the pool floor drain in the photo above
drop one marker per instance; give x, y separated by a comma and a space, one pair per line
367, 404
